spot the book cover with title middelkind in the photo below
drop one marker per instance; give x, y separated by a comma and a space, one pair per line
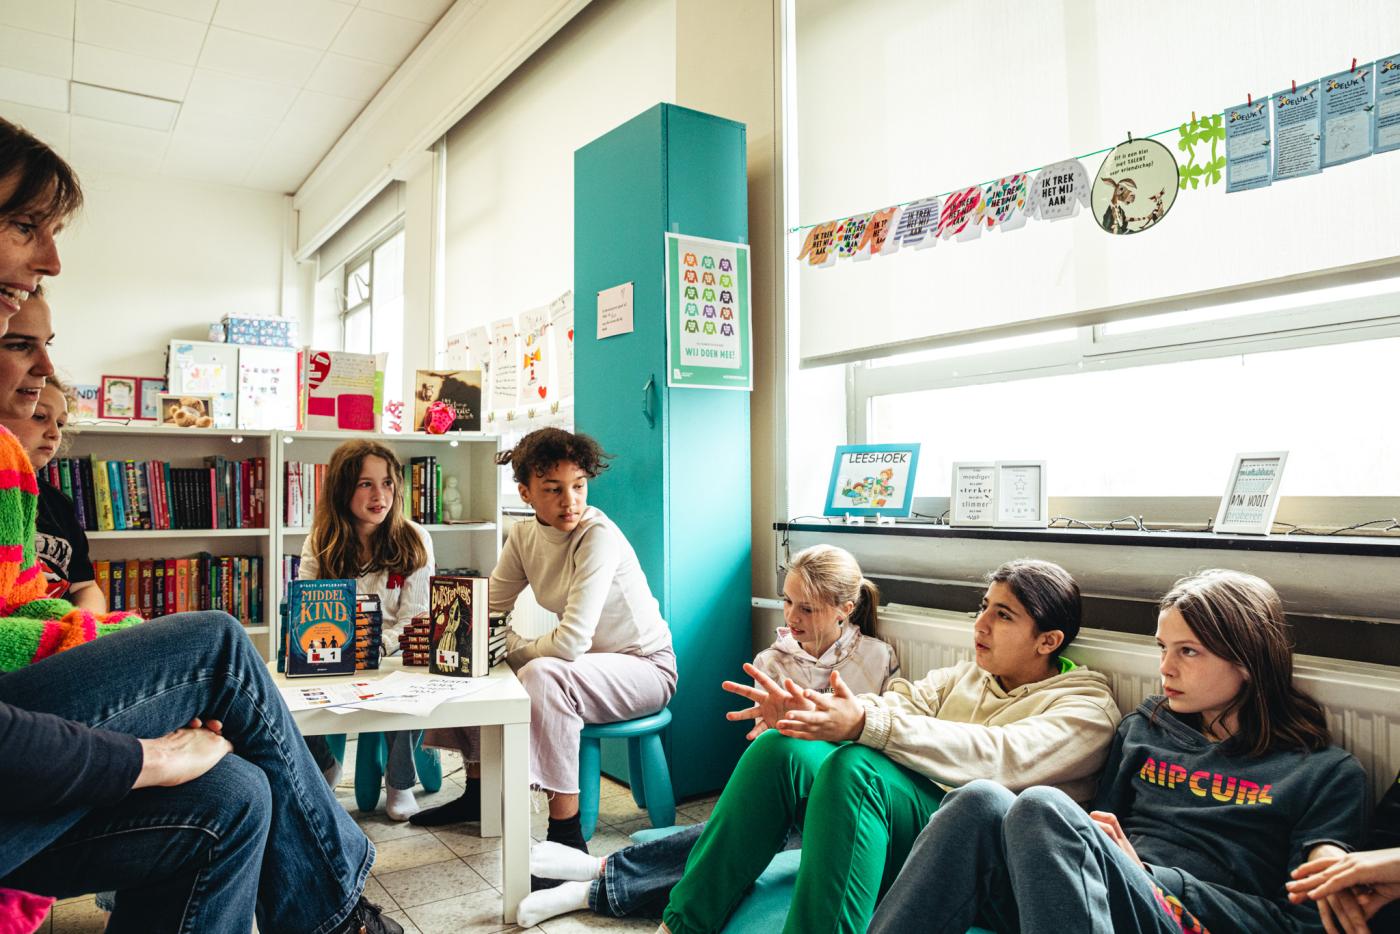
320, 627
457, 608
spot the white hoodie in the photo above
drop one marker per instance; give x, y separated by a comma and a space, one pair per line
866, 664
958, 724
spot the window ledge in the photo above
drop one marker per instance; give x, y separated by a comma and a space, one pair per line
1373, 546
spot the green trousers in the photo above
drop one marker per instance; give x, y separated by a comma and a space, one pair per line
859, 814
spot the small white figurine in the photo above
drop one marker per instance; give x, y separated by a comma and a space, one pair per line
451, 499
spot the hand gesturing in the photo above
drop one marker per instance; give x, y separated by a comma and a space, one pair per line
771, 701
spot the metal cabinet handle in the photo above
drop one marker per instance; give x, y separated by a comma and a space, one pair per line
646, 401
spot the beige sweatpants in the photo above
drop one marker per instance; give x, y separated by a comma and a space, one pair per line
599, 687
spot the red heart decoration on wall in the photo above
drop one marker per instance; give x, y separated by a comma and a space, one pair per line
542, 392
571, 333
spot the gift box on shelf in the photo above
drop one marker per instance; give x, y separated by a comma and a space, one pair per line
263, 332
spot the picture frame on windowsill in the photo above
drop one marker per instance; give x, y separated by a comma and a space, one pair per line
1250, 502
872, 480
973, 503
1022, 500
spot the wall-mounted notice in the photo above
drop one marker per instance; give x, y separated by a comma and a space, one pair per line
1297, 132
709, 344
1387, 122
615, 311
535, 365
1347, 115
561, 317
1247, 146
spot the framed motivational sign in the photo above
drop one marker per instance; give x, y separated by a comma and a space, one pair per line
974, 499
872, 480
1251, 494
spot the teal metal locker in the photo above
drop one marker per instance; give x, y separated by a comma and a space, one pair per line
679, 486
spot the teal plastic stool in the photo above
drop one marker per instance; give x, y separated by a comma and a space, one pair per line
646, 767
372, 755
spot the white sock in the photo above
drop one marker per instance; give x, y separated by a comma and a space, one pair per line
546, 903
401, 803
557, 861
333, 774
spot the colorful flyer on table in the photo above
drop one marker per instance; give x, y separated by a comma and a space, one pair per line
1297, 132
709, 343
1387, 120
1347, 114
1247, 162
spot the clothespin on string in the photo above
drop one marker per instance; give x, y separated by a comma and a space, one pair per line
1249, 102
1353, 64
1295, 87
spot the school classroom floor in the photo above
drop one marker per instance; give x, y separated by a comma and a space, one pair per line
447, 880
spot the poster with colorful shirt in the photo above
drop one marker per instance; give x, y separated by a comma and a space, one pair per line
1247, 146
1297, 132
1387, 122
1059, 190
1346, 115
709, 343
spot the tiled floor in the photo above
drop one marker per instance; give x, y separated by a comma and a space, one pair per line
448, 880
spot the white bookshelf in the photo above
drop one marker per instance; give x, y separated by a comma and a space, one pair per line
470, 457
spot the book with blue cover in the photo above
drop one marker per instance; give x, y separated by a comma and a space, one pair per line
320, 628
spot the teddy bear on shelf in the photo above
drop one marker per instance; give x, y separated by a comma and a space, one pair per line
188, 413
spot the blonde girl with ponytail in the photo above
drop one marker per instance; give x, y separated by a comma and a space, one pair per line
830, 611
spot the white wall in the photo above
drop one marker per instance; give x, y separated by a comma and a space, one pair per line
154, 259
510, 162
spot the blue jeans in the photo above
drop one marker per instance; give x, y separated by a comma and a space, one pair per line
399, 773
1033, 863
259, 832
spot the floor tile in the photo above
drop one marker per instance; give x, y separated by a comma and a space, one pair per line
433, 882
468, 842
380, 829
699, 810
375, 893
606, 840
409, 852
487, 865
586, 921
408, 926
627, 828
477, 913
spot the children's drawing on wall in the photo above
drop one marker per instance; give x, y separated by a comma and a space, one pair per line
1137, 185
534, 356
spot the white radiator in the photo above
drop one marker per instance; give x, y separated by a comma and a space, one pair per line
1362, 700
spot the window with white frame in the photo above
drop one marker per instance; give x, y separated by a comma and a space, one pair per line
372, 321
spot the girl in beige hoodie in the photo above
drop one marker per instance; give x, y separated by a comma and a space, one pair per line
860, 775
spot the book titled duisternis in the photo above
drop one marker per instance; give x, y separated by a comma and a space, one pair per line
320, 628
457, 607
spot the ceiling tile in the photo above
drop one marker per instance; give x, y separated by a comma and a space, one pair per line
378, 38
320, 114
54, 17
305, 22
211, 157
233, 105
424, 11
241, 53
49, 125
349, 77
36, 51
126, 72
140, 32
282, 169
136, 110
115, 147
198, 10
25, 87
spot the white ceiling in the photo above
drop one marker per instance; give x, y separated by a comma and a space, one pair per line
241, 92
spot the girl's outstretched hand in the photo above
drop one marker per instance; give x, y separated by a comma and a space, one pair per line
832, 717
771, 701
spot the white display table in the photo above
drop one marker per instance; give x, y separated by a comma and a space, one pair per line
503, 713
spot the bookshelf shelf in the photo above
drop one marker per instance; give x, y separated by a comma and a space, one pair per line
468, 456
133, 534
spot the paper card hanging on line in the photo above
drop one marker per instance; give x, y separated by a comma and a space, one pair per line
1248, 161
849, 233
1387, 118
1297, 141
536, 355
615, 311
1347, 115
1136, 187
819, 247
1059, 190
1004, 203
959, 217
505, 374
876, 234
916, 226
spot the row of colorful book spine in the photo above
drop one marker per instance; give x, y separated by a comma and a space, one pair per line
301, 488
116, 495
155, 587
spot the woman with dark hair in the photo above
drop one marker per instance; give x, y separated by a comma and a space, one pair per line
859, 775
609, 658
1214, 790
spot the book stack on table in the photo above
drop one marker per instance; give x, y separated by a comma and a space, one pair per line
369, 632
496, 640
417, 634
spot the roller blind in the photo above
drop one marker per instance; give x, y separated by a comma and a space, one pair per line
372, 220
903, 98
